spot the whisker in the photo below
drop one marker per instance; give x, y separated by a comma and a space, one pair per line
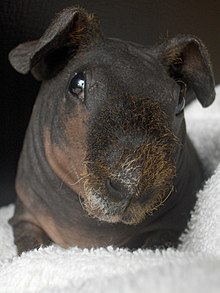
80, 179
81, 202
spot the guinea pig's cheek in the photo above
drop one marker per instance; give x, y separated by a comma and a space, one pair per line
67, 156
61, 164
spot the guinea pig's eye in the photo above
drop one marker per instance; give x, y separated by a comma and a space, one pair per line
181, 99
77, 85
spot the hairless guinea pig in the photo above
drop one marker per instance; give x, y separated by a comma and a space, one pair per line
106, 159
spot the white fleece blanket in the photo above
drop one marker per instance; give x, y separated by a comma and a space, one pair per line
193, 267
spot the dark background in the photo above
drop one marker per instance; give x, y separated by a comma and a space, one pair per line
146, 22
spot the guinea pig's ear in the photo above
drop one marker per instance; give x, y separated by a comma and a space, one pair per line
71, 30
187, 59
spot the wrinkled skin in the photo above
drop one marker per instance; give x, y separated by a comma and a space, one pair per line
112, 164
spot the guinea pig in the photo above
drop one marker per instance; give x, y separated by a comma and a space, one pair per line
106, 159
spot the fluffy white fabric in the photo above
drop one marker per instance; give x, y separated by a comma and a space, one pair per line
193, 267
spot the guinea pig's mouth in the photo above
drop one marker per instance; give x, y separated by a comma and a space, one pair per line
129, 211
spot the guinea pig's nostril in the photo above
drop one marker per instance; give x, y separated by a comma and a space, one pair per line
116, 190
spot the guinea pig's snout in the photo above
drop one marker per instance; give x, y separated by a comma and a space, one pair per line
116, 190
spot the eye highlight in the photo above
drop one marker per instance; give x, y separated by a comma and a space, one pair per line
77, 85
181, 98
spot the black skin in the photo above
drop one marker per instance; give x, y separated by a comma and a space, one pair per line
48, 209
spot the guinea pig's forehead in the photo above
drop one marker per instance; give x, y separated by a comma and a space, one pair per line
114, 53
120, 67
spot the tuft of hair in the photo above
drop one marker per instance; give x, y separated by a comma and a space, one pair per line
86, 29
173, 56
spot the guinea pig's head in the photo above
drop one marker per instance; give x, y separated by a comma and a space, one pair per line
114, 120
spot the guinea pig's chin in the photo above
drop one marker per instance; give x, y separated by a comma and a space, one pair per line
126, 217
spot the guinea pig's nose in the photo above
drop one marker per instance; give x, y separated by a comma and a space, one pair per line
116, 190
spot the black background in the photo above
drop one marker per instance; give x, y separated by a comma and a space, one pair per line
145, 22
